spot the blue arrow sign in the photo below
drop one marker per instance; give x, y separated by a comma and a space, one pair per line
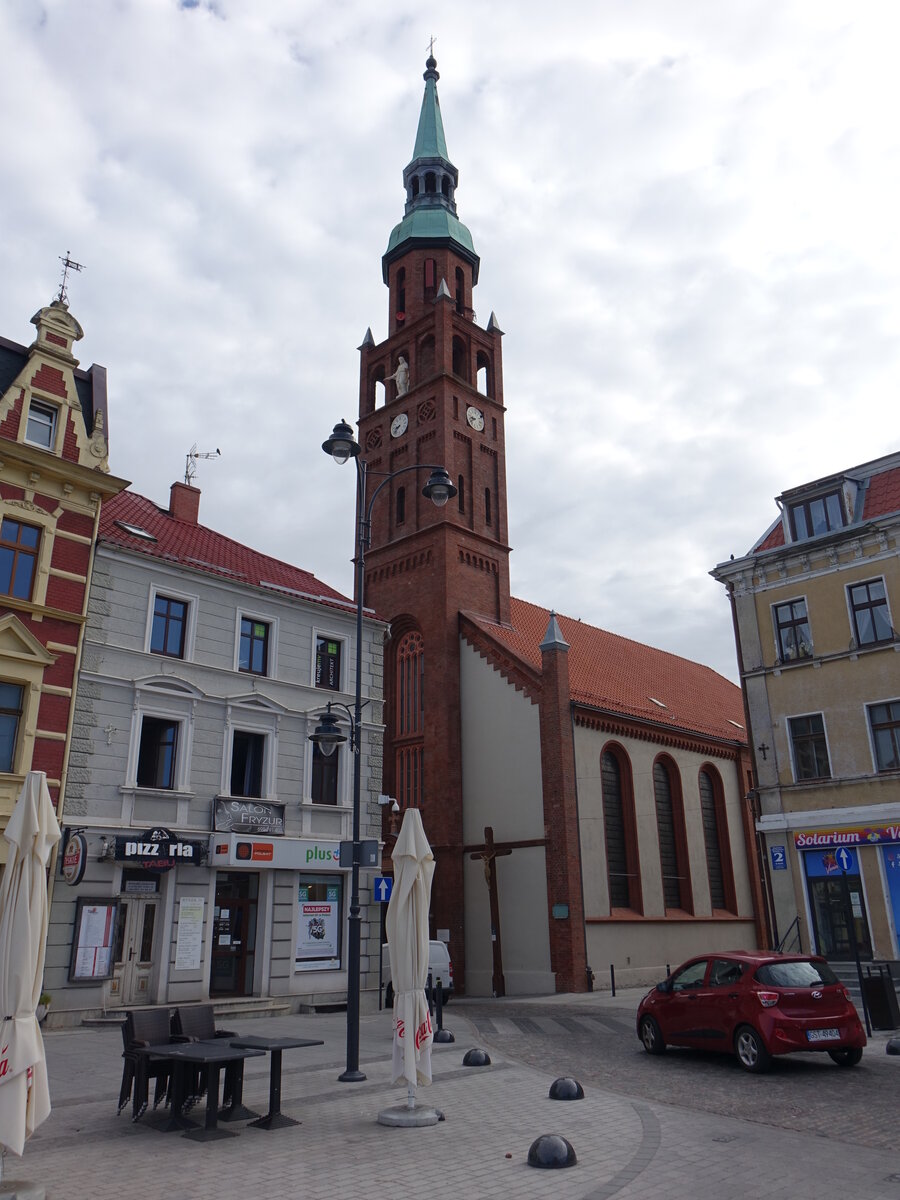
383, 886
845, 859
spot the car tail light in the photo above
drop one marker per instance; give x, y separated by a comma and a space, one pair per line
450, 972
843, 993
768, 999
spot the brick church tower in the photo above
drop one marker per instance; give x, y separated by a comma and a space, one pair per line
426, 565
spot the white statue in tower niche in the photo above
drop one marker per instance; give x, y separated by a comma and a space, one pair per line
400, 377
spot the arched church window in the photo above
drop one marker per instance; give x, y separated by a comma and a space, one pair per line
676, 879
375, 397
483, 374
620, 830
715, 838
401, 290
415, 185
430, 183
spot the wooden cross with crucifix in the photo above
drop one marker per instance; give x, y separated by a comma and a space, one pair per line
488, 852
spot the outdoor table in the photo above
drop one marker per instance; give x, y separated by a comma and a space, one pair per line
211, 1054
274, 1118
177, 1120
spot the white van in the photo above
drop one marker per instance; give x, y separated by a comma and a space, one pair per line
439, 965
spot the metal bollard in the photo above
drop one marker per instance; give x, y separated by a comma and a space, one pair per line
590, 979
612, 978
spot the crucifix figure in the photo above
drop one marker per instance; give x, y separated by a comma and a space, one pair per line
490, 851
762, 748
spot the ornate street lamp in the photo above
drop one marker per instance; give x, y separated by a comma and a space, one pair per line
342, 446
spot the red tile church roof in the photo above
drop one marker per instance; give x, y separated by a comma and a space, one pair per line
201, 549
620, 676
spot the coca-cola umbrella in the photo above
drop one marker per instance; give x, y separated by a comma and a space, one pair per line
407, 934
32, 832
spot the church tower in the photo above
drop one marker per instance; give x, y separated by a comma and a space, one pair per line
431, 394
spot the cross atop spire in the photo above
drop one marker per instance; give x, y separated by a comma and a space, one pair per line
69, 264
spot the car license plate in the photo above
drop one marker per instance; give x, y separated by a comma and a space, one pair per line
822, 1035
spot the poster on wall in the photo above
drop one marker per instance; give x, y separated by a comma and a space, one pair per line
92, 944
319, 924
189, 937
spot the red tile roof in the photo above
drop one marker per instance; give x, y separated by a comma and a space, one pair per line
882, 494
202, 549
620, 676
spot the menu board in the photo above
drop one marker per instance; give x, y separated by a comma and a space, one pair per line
189, 943
92, 944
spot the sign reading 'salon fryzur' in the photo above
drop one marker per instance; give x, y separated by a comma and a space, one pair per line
248, 816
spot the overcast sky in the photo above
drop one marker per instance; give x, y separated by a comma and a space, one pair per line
686, 212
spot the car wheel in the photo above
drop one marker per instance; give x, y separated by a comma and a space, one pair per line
750, 1050
846, 1058
389, 996
651, 1035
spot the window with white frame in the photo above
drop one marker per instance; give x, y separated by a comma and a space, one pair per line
161, 735
11, 707
324, 782
329, 655
869, 612
248, 758
884, 721
157, 753
40, 428
255, 648
793, 639
809, 747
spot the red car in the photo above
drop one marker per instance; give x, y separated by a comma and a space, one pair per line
754, 1005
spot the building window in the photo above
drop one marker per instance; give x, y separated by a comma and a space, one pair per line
324, 789
715, 837
792, 635
18, 555
40, 428
622, 868
254, 650
10, 716
430, 278
672, 842
809, 747
409, 720
810, 518
168, 629
156, 758
885, 722
247, 753
869, 610
461, 492
401, 505
487, 506
328, 663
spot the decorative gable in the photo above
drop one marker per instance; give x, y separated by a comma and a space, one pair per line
18, 643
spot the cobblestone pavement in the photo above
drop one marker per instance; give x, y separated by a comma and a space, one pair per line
630, 1143
802, 1092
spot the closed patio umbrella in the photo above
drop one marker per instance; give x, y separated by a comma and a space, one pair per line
407, 933
32, 832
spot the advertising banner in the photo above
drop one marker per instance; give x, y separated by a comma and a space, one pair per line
319, 925
847, 835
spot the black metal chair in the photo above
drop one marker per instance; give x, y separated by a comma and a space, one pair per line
197, 1023
144, 1027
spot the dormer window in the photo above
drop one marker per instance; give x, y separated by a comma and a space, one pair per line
40, 429
811, 518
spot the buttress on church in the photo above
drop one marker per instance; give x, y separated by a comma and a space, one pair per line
587, 797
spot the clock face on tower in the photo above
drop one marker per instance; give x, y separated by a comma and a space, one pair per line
475, 417
399, 424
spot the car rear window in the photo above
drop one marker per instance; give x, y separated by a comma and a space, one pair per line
796, 974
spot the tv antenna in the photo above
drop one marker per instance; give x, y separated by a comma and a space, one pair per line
69, 264
190, 462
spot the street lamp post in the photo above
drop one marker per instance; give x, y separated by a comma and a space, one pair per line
341, 446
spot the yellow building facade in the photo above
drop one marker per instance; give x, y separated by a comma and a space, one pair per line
816, 604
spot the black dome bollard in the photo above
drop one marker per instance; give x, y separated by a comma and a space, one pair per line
893, 1046
443, 1035
551, 1151
566, 1088
476, 1058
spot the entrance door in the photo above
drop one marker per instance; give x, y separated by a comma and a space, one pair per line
234, 934
833, 906
133, 951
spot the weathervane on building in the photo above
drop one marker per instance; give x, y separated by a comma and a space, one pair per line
69, 264
190, 462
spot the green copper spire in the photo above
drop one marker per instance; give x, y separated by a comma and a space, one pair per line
430, 180
430, 142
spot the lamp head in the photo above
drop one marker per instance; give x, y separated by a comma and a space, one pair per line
327, 735
439, 488
341, 445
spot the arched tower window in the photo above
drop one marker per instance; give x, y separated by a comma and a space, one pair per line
415, 185
483, 374
372, 397
620, 832
430, 278
460, 291
460, 359
487, 506
676, 878
409, 720
461, 492
445, 185
715, 838
430, 183
401, 290
401, 505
